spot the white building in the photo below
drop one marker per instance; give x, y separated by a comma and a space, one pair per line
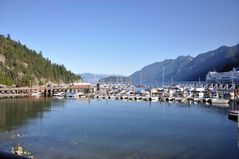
231, 76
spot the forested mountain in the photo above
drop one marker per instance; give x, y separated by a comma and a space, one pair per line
116, 80
22, 66
92, 78
153, 74
186, 68
222, 59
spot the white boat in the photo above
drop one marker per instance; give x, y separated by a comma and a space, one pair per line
145, 98
198, 100
124, 97
219, 101
138, 97
36, 94
59, 94
154, 99
74, 95
131, 97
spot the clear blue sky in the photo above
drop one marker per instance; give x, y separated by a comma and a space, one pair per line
119, 36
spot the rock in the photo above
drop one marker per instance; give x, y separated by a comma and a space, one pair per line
2, 58
21, 151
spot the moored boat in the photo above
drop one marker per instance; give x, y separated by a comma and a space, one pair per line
219, 101
233, 115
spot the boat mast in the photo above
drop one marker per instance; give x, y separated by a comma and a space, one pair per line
163, 76
171, 80
141, 79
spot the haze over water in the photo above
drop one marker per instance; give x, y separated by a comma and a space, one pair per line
105, 129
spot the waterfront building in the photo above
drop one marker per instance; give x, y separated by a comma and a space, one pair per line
226, 77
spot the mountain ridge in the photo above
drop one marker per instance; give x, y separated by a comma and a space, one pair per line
187, 68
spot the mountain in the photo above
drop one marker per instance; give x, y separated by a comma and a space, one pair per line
153, 74
222, 59
92, 78
22, 66
187, 68
116, 80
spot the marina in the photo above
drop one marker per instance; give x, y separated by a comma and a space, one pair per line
167, 103
119, 79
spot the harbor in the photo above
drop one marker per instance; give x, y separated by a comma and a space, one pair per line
197, 93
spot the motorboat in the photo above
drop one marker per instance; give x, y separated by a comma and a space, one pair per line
233, 115
154, 99
36, 94
59, 94
219, 101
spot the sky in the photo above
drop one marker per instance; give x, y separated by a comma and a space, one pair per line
119, 36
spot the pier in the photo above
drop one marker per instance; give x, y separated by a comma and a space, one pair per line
10, 92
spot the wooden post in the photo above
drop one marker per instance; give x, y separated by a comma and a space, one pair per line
45, 93
49, 93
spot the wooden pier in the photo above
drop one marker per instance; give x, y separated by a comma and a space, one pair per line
15, 92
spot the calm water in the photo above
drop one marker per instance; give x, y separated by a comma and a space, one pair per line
112, 129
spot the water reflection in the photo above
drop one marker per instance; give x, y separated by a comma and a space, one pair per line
16, 112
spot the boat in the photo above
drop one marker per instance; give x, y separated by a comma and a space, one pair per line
219, 101
124, 97
154, 99
198, 100
138, 97
36, 94
131, 97
74, 95
59, 94
233, 115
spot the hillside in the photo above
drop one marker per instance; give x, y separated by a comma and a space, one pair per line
116, 80
22, 66
153, 74
222, 59
186, 68
92, 78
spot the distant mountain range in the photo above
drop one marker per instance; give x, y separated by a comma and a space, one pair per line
116, 80
187, 68
92, 78
183, 68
